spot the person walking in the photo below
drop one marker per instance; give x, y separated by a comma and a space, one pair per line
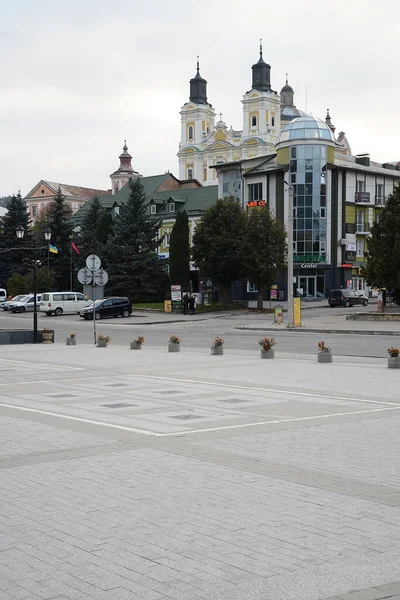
192, 304
185, 302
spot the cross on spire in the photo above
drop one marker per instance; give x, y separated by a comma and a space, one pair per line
287, 80
198, 63
220, 116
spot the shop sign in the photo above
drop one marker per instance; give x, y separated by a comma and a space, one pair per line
351, 242
347, 265
256, 203
309, 258
274, 292
176, 297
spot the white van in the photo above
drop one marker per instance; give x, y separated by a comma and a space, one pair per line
3, 295
59, 303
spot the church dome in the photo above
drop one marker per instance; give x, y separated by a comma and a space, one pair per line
287, 89
306, 128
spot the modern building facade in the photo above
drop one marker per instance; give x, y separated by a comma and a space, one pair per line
336, 199
205, 142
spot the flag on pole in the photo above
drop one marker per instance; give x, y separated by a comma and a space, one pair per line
75, 247
53, 249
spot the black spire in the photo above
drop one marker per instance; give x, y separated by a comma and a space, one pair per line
198, 88
261, 74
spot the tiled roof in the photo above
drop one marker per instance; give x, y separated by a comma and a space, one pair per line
74, 191
194, 201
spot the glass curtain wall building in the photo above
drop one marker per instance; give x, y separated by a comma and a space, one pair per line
307, 142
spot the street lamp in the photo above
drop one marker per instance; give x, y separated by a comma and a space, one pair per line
20, 231
290, 255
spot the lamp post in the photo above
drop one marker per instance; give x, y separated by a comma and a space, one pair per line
20, 231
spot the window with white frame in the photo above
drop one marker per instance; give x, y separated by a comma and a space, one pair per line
380, 192
360, 220
166, 238
153, 209
255, 191
251, 287
33, 211
116, 210
360, 247
360, 185
171, 207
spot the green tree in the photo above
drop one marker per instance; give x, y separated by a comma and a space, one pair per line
218, 245
16, 284
133, 265
103, 228
88, 239
179, 251
61, 229
15, 254
265, 249
382, 269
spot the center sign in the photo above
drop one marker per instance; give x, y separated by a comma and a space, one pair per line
256, 203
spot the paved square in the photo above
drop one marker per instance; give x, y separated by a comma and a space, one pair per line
156, 476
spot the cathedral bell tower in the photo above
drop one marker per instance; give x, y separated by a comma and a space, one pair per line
197, 122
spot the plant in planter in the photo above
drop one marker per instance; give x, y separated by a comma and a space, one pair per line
137, 344
324, 353
47, 336
217, 346
71, 340
174, 344
267, 345
393, 358
102, 340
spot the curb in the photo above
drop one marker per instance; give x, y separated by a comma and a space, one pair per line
308, 330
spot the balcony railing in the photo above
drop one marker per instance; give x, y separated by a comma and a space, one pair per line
362, 227
362, 197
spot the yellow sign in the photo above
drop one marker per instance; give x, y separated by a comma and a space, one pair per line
167, 306
296, 312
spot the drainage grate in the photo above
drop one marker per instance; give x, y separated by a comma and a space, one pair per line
118, 405
63, 396
233, 401
186, 417
116, 385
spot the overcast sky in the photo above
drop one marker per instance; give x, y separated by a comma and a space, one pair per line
80, 76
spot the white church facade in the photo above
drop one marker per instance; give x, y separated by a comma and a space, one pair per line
205, 142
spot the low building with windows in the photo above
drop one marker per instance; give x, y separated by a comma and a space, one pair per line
336, 199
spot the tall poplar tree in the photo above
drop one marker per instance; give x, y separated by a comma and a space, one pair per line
179, 251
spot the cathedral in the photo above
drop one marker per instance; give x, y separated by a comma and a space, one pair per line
205, 142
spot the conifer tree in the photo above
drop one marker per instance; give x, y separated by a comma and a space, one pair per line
133, 265
179, 251
15, 254
61, 229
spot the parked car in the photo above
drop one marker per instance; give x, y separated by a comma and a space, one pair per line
3, 295
25, 304
346, 298
7, 303
108, 307
58, 303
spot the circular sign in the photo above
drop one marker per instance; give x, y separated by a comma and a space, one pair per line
93, 262
101, 277
84, 276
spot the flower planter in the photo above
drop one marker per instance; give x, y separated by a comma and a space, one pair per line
267, 353
101, 343
135, 346
393, 362
47, 337
71, 341
324, 357
174, 347
217, 350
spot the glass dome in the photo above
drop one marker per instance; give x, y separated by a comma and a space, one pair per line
306, 128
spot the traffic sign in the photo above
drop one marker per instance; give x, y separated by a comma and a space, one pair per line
93, 262
100, 277
85, 276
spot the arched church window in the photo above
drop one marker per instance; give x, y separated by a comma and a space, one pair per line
273, 121
205, 174
254, 121
190, 132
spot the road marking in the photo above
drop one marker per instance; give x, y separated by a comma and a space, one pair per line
34, 364
262, 389
192, 431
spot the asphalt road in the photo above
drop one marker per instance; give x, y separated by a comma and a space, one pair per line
199, 334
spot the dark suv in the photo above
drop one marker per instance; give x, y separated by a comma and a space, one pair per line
107, 307
346, 298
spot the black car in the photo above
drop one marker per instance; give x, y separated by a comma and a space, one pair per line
107, 307
346, 298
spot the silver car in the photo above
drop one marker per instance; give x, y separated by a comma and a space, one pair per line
6, 305
25, 304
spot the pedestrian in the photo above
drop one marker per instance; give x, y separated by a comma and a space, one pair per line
192, 304
185, 303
